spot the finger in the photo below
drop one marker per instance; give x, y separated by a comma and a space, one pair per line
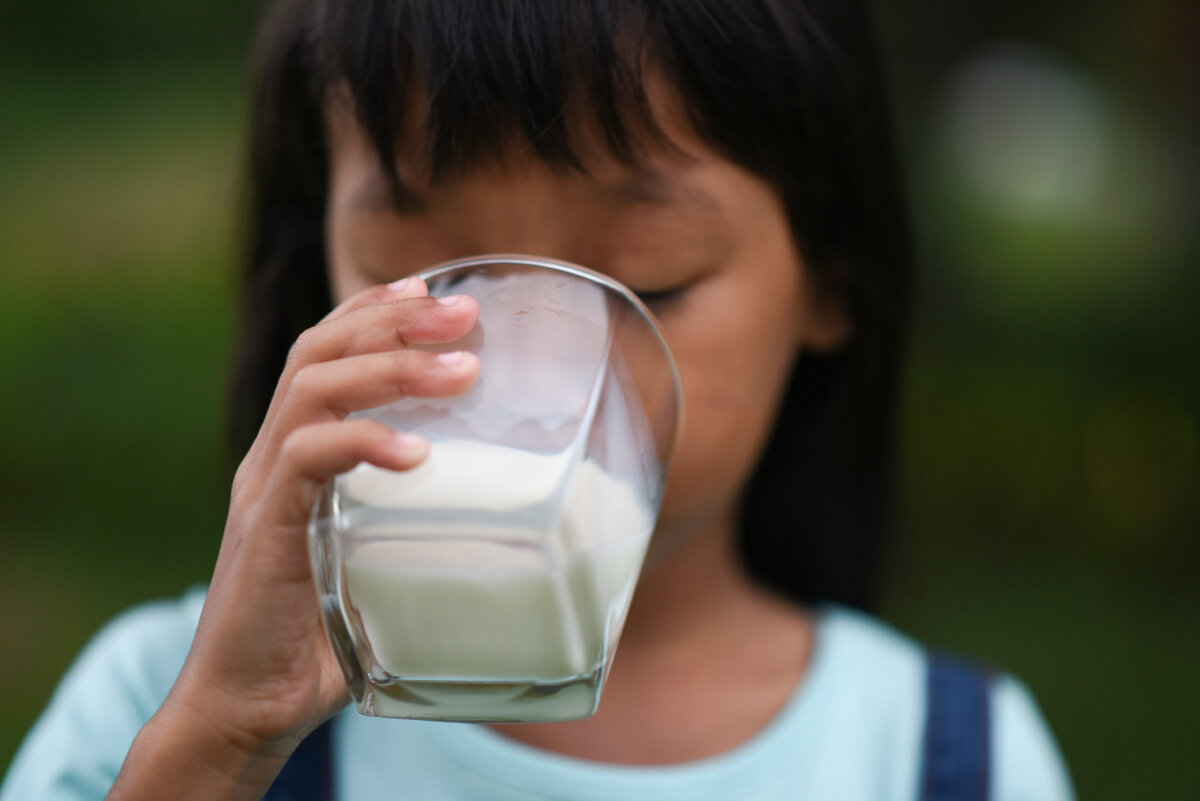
331, 390
384, 326
314, 454
374, 296
378, 328
411, 287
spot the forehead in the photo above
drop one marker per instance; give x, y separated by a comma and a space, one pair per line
669, 167
652, 224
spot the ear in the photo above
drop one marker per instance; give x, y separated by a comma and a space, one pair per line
827, 324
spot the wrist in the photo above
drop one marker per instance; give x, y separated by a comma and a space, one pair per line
180, 754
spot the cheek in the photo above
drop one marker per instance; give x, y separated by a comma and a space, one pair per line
341, 257
369, 250
734, 360
342, 283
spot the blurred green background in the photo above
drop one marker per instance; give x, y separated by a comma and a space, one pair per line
1051, 462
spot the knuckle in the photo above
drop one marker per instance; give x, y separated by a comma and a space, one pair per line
402, 322
376, 293
309, 392
401, 360
372, 295
292, 448
403, 372
240, 480
300, 352
305, 381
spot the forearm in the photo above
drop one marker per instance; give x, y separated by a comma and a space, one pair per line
181, 756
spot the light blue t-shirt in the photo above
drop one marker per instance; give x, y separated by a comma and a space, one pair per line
850, 732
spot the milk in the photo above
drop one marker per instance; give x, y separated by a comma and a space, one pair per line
514, 603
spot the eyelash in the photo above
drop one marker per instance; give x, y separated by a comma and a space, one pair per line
662, 297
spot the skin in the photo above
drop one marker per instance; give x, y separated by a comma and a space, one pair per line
703, 644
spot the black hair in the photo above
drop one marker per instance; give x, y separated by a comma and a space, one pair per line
791, 90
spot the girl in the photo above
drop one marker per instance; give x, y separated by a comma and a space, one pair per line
730, 161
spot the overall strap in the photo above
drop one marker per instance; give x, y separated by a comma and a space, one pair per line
956, 761
308, 773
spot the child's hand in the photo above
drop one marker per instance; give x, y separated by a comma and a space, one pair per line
260, 673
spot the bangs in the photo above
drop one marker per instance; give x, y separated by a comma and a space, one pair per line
784, 89
475, 82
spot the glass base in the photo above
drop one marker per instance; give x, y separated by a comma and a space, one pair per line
482, 701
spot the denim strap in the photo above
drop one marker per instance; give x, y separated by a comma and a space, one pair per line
308, 773
956, 761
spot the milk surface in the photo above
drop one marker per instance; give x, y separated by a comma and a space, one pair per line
533, 587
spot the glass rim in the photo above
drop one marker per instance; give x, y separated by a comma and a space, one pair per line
579, 271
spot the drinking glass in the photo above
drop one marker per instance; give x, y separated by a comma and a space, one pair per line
491, 582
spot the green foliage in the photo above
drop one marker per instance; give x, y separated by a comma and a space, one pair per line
116, 207
84, 32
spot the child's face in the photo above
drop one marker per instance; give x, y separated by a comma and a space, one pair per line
741, 304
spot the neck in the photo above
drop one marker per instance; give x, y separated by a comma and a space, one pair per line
698, 628
693, 592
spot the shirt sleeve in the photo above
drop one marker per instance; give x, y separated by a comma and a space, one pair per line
77, 746
1027, 764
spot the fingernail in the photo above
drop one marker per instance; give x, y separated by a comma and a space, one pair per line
401, 285
449, 301
409, 445
451, 359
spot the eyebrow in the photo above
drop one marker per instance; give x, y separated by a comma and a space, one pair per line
377, 194
658, 188
647, 187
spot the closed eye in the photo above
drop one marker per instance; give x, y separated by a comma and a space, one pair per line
661, 298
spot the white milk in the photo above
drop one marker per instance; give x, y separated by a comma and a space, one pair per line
531, 591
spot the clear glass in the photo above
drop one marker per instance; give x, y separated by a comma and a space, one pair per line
491, 582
